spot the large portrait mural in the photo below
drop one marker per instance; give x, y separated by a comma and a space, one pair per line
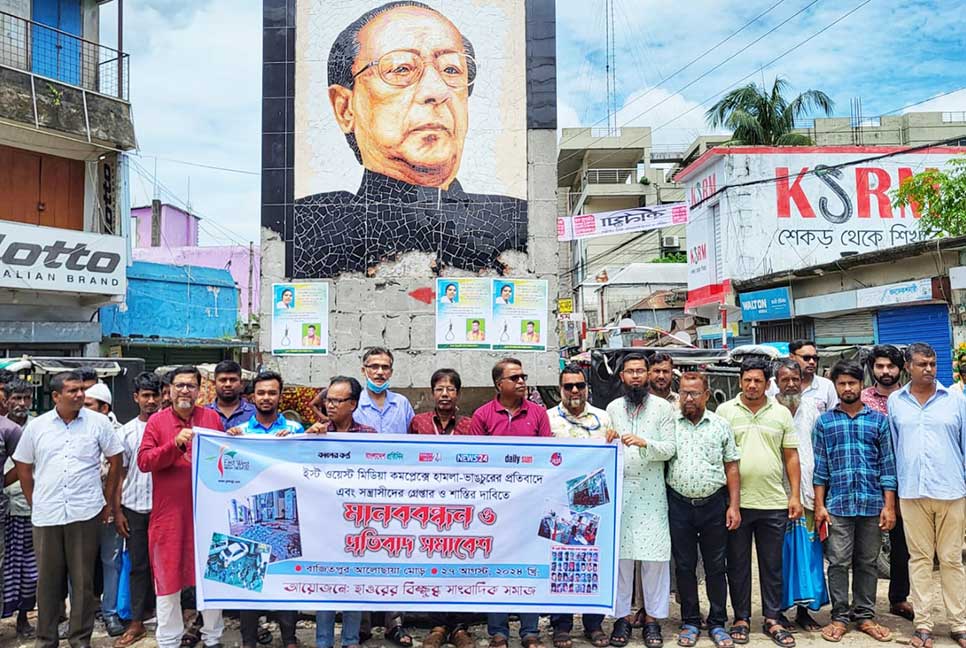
410, 136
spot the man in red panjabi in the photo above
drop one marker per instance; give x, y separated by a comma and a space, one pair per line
165, 452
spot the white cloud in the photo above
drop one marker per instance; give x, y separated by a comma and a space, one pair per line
196, 96
952, 102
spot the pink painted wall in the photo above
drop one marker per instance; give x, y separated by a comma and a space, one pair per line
216, 256
178, 227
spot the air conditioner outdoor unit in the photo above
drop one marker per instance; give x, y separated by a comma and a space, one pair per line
670, 241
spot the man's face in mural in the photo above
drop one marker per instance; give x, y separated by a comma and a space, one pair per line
413, 132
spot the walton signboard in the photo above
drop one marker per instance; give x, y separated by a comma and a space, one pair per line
54, 259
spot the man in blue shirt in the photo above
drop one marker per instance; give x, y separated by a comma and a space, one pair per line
385, 411
855, 496
231, 407
267, 420
928, 424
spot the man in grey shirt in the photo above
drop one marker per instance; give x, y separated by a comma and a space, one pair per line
9, 437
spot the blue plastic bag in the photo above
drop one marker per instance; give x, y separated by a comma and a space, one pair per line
124, 586
803, 568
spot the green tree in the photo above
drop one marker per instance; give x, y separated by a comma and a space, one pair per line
758, 117
940, 198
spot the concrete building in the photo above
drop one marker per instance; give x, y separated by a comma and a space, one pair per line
600, 170
900, 295
908, 129
174, 315
65, 121
163, 233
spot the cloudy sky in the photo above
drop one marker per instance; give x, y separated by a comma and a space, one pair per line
196, 86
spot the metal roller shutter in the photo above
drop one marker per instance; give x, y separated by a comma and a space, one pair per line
853, 328
929, 324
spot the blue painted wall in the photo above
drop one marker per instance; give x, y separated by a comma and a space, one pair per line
181, 302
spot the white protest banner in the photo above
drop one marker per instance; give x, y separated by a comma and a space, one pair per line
386, 522
636, 219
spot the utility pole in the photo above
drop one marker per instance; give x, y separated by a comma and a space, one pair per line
251, 272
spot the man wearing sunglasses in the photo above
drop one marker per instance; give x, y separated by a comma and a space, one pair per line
400, 78
575, 418
511, 413
819, 390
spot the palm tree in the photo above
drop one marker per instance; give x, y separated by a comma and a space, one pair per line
758, 117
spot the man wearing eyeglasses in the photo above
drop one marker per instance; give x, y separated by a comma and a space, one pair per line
703, 488
511, 413
165, 453
575, 418
385, 411
816, 388
445, 417
400, 78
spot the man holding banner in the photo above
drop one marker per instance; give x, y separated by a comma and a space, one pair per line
165, 452
267, 390
645, 425
575, 418
511, 414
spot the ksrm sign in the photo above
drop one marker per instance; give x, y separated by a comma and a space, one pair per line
45, 258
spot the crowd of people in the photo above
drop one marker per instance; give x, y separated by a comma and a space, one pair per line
794, 447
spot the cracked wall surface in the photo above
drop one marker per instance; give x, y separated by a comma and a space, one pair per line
384, 304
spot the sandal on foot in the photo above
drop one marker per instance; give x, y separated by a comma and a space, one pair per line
621, 633
874, 630
436, 638
903, 609
806, 622
531, 641
688, 636
778, 634
561, 639
264, 636
598, 638
129, 637
834, 631
921, 638
191, 637
399, 636
721, 638
652, 635
740, 631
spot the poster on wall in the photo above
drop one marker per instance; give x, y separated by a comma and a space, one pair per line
463, 313
410, 136
432, 524
491, 314
300, 318
519, 315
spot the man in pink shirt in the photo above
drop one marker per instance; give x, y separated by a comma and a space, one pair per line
510, 413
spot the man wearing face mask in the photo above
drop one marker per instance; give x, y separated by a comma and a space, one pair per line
885, 365
646, 428
387, 413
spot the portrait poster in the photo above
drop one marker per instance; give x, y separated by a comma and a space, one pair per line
463, 313
519, 315
410, 137
408, 523
300, 318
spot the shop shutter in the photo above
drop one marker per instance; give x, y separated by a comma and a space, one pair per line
853, 328
784, 330
929, 324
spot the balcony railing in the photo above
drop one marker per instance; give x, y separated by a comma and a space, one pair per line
610, 176
48, 52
